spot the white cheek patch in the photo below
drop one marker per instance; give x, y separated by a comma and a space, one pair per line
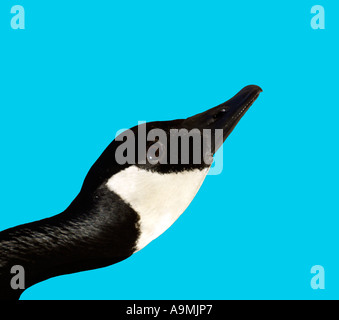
159, 199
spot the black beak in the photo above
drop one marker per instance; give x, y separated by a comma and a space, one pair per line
226, 115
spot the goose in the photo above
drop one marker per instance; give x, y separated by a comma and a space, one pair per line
132, 194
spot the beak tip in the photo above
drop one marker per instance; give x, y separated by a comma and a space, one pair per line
254, 87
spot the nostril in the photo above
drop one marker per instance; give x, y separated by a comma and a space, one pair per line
221, 112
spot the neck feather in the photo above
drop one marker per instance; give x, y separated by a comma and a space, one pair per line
73, 241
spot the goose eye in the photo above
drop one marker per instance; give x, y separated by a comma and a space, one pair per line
156, 153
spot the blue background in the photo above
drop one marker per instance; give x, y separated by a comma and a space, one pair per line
81, 71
